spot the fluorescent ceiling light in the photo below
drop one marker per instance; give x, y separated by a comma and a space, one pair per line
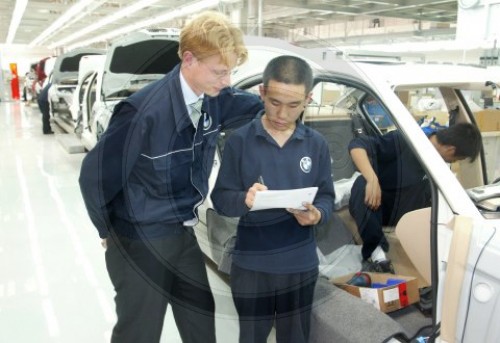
179, 12
16, 19
88, 11
56, 25
109, 19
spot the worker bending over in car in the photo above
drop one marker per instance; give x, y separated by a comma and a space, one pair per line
393, 182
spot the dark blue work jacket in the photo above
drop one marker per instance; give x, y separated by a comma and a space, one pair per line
273, 241
150, 170
395, 164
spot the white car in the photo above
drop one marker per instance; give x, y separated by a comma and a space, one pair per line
131, 63
89, 65
453, 246
64, 79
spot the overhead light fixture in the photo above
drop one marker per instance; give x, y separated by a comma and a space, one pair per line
56, 25
16, 19
105, 21
170, 15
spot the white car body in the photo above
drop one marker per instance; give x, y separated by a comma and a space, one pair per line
465, 245
89, 64
64, 79
132, 62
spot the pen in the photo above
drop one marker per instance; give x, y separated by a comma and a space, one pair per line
261, 180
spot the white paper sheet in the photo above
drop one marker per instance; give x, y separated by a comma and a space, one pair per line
290, 198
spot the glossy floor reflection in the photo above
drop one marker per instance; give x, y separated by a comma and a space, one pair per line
53, 282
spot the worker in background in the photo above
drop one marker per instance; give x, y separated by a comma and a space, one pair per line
44, 106
393, 182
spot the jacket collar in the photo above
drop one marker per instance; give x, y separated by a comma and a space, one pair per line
181, 115
298, 133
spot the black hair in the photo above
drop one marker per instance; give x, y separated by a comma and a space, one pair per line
290, 70
465, 137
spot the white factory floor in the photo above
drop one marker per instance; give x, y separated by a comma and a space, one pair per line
54, 285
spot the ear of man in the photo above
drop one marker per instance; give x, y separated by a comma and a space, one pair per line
450, 149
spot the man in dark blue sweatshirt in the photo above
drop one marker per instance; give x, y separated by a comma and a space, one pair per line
145, 178
393, 182
275, 263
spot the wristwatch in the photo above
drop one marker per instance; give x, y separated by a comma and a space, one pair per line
466, 4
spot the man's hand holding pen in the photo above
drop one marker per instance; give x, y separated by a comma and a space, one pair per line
258, 186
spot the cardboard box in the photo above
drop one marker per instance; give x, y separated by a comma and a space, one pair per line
330, 96
402, 291
488, 120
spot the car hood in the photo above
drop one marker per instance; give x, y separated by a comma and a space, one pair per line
136, 61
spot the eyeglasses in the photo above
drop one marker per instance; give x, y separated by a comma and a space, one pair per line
220, 74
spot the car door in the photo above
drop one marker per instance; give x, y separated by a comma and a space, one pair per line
91, 97
463, 245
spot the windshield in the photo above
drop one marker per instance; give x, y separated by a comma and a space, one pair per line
71, 64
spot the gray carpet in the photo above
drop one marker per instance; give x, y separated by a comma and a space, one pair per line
411, 319
340, 317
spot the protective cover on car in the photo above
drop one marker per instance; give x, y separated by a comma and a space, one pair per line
138, 59
66, 65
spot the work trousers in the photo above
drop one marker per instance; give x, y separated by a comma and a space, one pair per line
395, 203
45, 109
262, 298
150, 274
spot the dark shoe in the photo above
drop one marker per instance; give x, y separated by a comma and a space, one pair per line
48, 132
377, 267
369, 266
386, 266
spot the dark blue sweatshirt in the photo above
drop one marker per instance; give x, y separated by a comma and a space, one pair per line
272, 240
395, 164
